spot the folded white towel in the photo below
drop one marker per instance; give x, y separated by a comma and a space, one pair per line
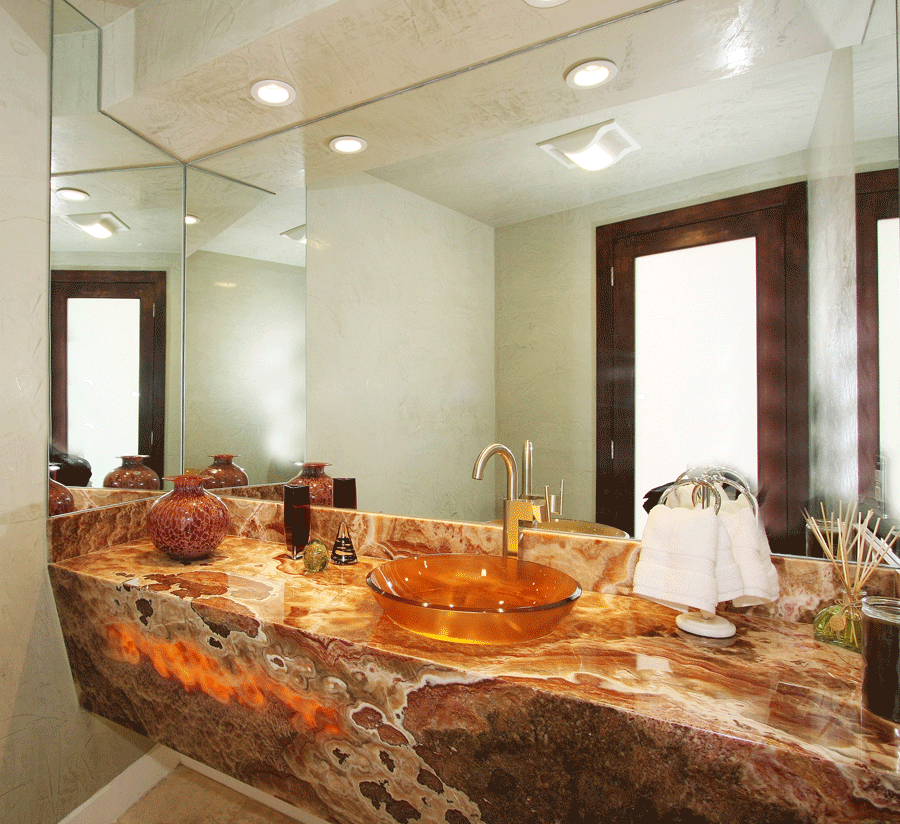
692, 558
751, 552
677, 564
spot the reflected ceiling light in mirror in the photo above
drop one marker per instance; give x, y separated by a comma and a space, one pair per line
273, 92
190, 220
588, 74
72, 194
298, 233
98, 224
593, 148
347, 144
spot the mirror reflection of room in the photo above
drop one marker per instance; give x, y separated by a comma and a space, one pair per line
446, 295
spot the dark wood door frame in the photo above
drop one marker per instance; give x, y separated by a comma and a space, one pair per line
876, 199
150, 289
777, 218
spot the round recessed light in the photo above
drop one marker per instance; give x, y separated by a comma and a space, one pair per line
190, 220
347, 144
590, 73
545, 4
273, 92
72, 194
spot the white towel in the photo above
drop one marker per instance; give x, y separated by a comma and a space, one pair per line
677, 564
697, 559
751, 552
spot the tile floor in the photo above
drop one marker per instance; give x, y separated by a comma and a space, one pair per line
186, 797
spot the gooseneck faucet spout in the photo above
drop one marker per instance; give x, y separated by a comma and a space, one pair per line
515, 511
512, 475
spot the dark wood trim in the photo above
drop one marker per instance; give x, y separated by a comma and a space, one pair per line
777, 218
150, 289
876, 199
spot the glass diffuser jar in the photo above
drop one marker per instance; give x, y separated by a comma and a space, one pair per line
840, 624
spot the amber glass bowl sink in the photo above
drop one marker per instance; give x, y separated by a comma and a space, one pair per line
473, 599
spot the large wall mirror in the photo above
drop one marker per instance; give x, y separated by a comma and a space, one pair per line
449, 270
233, 349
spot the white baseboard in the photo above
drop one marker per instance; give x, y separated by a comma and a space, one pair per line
110, 802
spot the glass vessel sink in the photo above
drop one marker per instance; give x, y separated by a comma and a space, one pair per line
473, 599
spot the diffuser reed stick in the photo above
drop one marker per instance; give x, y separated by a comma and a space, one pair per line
855, 550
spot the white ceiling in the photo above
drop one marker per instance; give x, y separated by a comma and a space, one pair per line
706, 87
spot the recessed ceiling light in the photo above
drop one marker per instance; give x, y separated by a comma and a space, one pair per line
72, 194
590, 73
98, 224
347, 144
190, 220
544, 4
273, 92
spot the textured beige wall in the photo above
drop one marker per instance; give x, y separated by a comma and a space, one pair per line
54, 755
245, 369
400, 318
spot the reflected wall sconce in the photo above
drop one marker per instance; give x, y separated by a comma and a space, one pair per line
98, 224
190, 220
593, 148
298, 233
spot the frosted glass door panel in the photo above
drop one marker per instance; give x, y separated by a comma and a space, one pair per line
889, 359
695, 395
103, 380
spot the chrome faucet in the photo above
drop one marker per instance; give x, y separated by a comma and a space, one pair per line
515, 511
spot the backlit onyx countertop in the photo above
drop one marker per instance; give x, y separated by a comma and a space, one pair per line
299, 685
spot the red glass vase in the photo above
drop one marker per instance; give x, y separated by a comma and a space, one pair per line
61, 500
187, 523
321, 486
223, 472
132, 474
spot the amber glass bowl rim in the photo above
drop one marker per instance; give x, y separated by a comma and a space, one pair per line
574, 596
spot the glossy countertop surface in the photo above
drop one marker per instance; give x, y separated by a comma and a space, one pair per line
771, 685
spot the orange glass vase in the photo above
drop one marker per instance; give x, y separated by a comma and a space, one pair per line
187, 523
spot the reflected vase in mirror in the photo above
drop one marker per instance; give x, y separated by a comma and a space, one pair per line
312, 474
187, 523
61, 500
223, 473
132, 474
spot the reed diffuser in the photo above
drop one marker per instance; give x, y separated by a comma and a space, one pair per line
856, 551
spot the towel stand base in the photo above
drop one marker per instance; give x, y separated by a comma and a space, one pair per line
698, 624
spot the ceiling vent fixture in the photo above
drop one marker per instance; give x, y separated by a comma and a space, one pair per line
593, 148
98, 224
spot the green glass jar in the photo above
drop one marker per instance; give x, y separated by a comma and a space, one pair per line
841, 623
